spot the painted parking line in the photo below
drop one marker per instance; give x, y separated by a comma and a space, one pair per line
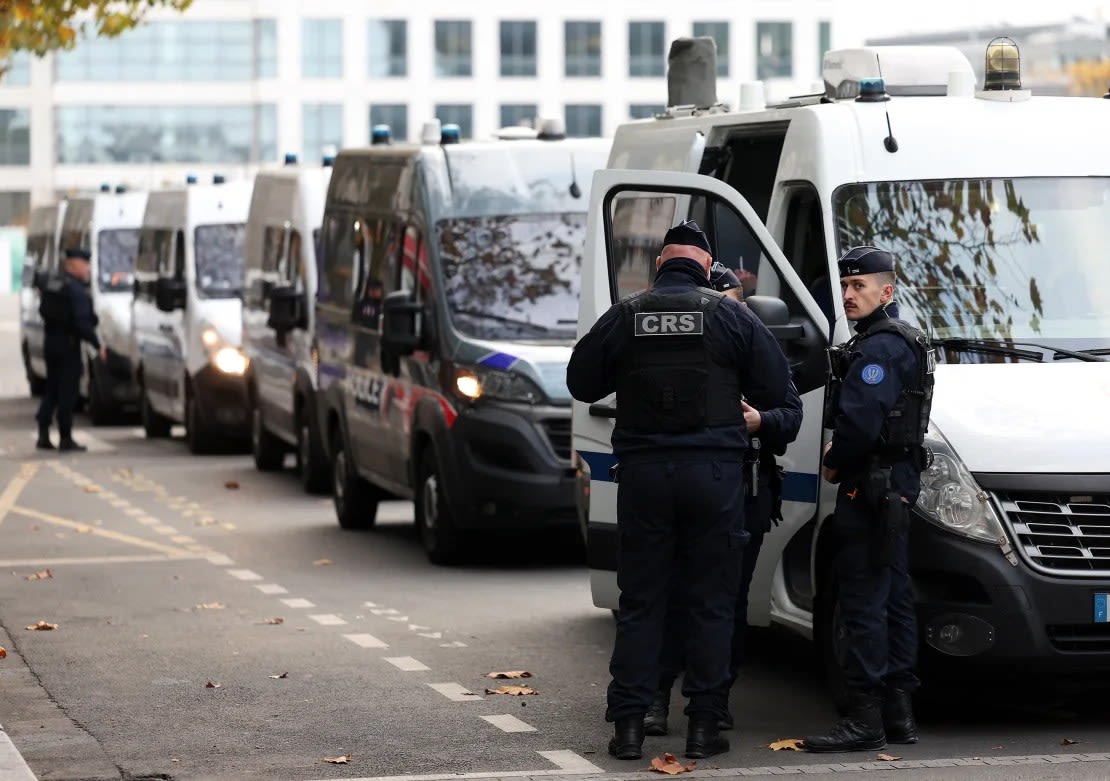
272, 588
244, 574
220, 560
366, 641
455, 692
85, 528
406, 664
507, 723
297, 602
569, 762
71, 560
328, 619
12, 765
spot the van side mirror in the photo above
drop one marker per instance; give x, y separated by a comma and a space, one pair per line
169, 294
773, 313
288, 309
401, 323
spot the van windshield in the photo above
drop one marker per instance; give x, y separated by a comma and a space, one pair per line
219, 253
513, 277
115, 258
1007, 259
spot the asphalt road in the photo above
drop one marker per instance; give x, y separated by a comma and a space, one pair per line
169, 572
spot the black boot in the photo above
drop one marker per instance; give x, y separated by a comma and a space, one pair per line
655, 720
628, 738
859, 729
68, 444
725, 722
703, 739
44, 442
898, 721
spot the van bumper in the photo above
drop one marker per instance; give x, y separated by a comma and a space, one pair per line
222, 400
976, 609
510, 467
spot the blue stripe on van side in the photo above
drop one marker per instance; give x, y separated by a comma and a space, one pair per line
500, 361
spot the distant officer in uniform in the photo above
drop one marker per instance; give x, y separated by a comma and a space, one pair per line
680, 357
68, 319
879, 402
770, 431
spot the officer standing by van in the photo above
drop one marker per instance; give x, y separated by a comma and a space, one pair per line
680, 358
879, 401
68, 319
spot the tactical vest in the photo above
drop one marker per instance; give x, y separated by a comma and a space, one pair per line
55, 305
903, 432
667, 380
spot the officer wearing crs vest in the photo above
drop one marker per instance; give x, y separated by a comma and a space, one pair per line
879, 402
680, 357
68, 319
770, 431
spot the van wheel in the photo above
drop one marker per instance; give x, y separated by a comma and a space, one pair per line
356, 501
155, 426
434, 519
268, 450
100, 413
311, 463
832, 637
197, 435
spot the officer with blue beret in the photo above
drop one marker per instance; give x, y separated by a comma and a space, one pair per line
680, 358
878, 408
68, 319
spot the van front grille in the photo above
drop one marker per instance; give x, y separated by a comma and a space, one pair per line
1060, 533
558, 434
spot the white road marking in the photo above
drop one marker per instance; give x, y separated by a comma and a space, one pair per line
418, 628
569, 761
328, 619
119, 502
182, 539
149, 520
507, 723
432, 635
453, 644
407, 664
167, 530
272, 588
220, 560
385, 611
366, 641
297, 602
455, 692
12, 765
90, 560
135, 511
244, 574
369, 604
398, 618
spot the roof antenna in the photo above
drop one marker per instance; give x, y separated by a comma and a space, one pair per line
575, 190
889, 143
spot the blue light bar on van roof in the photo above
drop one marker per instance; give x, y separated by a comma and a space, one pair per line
290, 158
105, 188
328, 161
218, 179
381, 134
450, 134
120, 189
872, 91
190, 178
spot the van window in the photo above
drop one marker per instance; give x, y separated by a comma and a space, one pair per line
752, 163
273, 249
292, 271
343, 246
179, 255
379, 272
414, 264
219, 258
509, 277
637, 224
115, 256
805, 248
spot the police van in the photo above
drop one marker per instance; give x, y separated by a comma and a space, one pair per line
279, 293
186, 314
995, 203
444, 322
41, 259
107, 225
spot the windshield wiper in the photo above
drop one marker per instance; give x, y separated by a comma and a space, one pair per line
502, 319
998, 347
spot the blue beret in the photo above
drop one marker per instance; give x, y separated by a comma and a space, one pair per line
76, 253
721, 277
865, 260
687, 232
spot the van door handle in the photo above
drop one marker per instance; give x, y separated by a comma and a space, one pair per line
603, 411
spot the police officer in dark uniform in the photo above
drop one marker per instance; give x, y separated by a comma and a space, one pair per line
770, 431
879, 402
680, 357
68, 319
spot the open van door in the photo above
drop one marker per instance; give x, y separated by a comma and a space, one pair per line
630, 211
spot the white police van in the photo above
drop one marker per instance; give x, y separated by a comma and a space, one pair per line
42, 257
279, 293
996, 204
186, 318
107, 225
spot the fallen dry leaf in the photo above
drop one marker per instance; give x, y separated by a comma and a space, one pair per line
3, 652
670, 765
321, 562
43, 575
792, 744
510, 674
211, 685
1068, 742
274, 621
92, 489
84, 530
42, 626
209, 606
232, 485
513, 691
282, 675
343, 760
888, 758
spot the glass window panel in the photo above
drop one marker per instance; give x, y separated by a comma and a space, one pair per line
518, 48
387, 48
645, 110
396, 115
15, 137
461, 114
19, 71
513, 114
583, 120
322, 48
15, 207
115, 257
719, 32
582, 44
645, 49
453, 48
774, 50
323, 126
219, 259
824, 42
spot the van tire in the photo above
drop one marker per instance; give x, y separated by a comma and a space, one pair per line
434, 519
356, 500
831, 636
197, 436
312, 465
155, 426
268, 451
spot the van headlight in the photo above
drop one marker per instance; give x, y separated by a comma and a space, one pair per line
474, 382
951, 498
209, 337
230, 360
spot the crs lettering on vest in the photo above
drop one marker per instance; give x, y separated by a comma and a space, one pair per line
669, 323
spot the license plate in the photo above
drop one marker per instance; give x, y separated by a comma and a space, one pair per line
1102, 604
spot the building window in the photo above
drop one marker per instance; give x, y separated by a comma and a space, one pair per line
396, 115
518, 48
15, 208
645, 110
514, 114
388, 48
824, 42
323, 126
15, 137
718, 31
453, 49
19, 71
461, 114
166, 134
645, 49
774, 46
322, 49
177, 51
583, 120
582, 48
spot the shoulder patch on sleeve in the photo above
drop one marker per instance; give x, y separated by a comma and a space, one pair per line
872, 374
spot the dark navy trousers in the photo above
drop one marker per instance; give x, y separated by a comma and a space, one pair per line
876, 602
63, 374
681, 529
